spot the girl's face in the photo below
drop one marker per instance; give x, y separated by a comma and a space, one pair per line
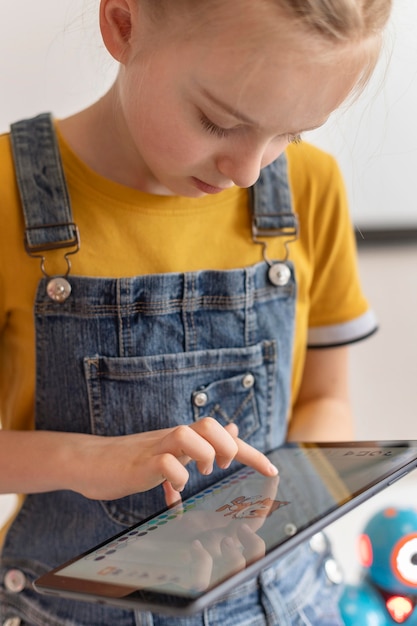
199, 113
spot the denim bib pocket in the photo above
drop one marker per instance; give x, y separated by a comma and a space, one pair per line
135, 394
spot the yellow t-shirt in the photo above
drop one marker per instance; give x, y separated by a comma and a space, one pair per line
125, 232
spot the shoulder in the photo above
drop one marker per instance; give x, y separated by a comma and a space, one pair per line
11, 217
307, 159
312, 170
8, 185
9, 195
318, 190
6, 158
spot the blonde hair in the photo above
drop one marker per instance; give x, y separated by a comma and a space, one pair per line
343, 22
335, 22
340, 20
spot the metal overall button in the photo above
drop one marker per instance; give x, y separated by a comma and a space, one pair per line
248, 381
200, 399
279, 274
58, 289
14, 580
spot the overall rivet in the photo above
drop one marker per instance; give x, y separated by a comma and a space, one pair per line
248, 381
200, 399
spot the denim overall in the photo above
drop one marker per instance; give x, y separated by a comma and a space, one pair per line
119, 356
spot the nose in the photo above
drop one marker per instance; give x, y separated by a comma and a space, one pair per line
243, 164
244, 172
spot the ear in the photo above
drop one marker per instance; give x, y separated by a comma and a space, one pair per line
116, 26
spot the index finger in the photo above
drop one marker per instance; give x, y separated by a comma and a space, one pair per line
248, 455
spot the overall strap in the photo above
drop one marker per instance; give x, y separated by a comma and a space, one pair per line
42, 187
272, 213
273, 216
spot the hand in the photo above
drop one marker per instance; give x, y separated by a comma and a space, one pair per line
113, 467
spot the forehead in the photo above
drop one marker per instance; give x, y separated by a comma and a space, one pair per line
255, 31
260, 29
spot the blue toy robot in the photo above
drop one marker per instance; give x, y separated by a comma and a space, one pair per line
387, 593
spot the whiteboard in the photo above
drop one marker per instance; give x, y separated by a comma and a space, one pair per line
52, 59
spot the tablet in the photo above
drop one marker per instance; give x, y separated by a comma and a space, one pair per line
193, 553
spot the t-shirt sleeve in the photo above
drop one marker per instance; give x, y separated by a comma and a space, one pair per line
338, 311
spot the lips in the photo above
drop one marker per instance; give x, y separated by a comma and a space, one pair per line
205, 187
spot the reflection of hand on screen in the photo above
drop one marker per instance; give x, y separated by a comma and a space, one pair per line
227, 535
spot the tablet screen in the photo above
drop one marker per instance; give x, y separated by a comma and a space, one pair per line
192, 547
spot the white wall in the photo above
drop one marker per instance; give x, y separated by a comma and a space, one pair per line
384, 367
51, 58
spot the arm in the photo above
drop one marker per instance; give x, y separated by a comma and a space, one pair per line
113, 467
322, 411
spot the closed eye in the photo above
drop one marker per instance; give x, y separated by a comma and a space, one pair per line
221, 132
213, 128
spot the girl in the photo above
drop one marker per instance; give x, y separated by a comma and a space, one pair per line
191, 259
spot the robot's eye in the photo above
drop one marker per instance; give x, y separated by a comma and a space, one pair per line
404, 559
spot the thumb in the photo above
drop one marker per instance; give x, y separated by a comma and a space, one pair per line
172, 496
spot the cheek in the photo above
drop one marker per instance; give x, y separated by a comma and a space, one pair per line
162, 127
170, 139
154, 127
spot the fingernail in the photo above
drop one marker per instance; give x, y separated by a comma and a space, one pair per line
273, 471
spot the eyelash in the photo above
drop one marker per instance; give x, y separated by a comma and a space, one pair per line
212, 128
220, 132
